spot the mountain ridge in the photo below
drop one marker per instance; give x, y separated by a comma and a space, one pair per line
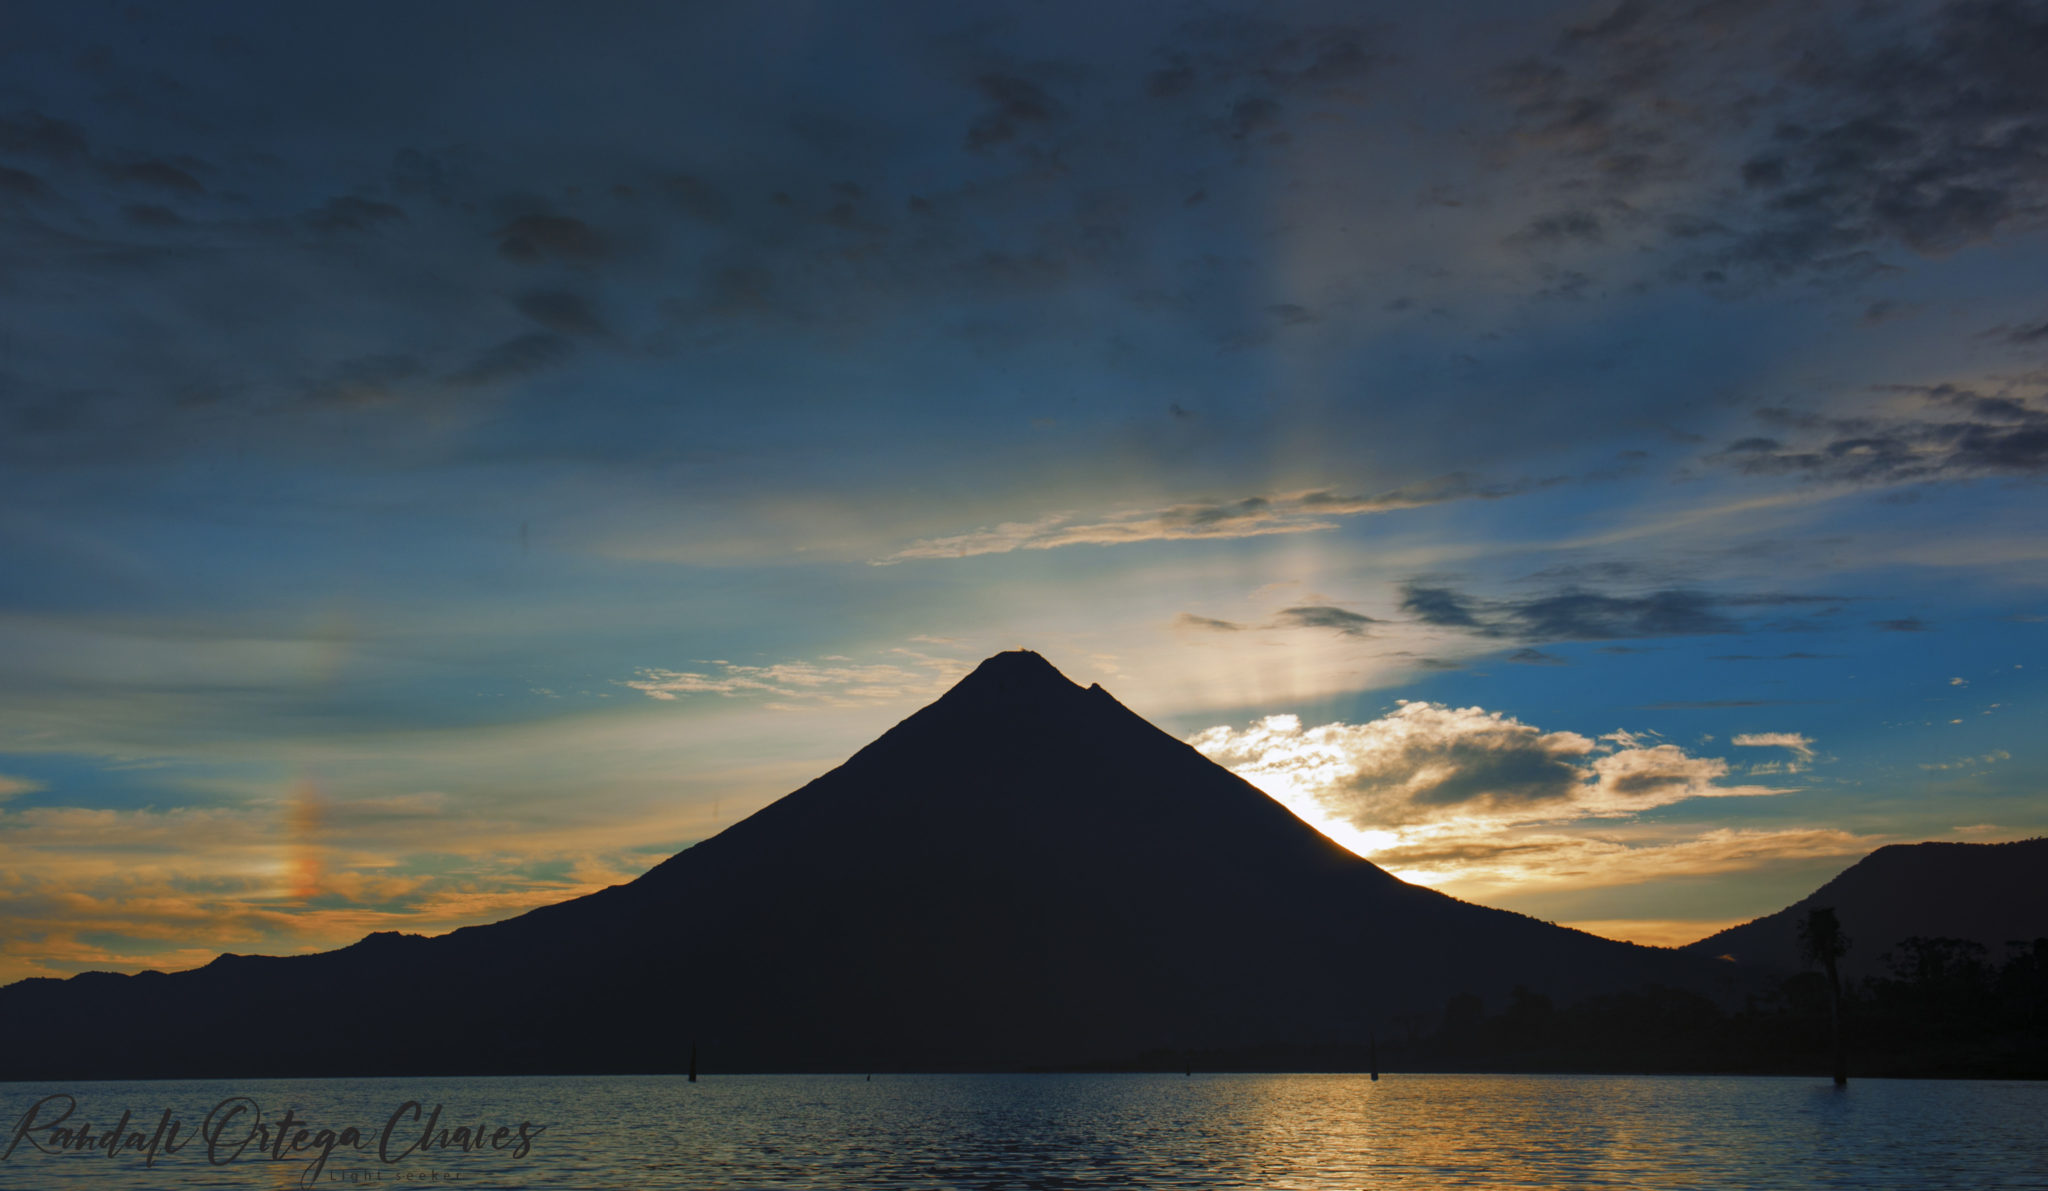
1988, 893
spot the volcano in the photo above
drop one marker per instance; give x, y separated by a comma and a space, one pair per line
1024, 873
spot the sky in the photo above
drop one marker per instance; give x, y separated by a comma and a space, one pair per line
1586, 457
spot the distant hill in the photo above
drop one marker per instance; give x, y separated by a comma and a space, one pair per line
1024, 873
1988, 893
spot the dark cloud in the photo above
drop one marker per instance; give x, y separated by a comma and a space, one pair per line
1458, 759
1856, 128
1188, 620
1795, 656
2025, 336
1929, 136
1961, 433
1562, 227
1886, 310
32, 134
1218, 514
1013, 102
563, 313
1536, 657
350, 213
1171, 81
1440, 606
1639, 784
1240, 76
151, 215
533, 238
696, 198
21, 183
1591, 616
1623, 18
1325, 616
1576, 614
160, 175
1253, 114
1501, 776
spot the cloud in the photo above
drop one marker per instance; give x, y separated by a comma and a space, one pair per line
531, 239
832, 682
1252, 516
11, 786
1188, 620
1323, 616
128, 890
1918, 128
1560, 228
1411, 766
1441, 794
21, 183
32, 134
1013, 103
1991, 758
352, 213
1536, 657
1550, 861
1591, 616
160, 175
1429, 763
1577, 614
563, 313
1905, 624
1440, 606
1800, 746
1954, 433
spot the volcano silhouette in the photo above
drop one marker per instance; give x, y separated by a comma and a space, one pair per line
1024, 873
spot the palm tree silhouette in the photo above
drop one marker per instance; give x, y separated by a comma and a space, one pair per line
1821, 941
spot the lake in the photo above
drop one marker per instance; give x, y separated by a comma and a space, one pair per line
1039, 1131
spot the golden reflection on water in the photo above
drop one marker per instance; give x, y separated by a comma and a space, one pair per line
1292, 1132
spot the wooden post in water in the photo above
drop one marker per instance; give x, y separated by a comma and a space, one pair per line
693, 1062
1373, 1055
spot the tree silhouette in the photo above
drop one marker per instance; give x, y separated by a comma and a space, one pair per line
1821, 941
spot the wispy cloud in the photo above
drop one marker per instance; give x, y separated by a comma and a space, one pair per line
1341, 621
11, 786
1252, 516
829, 682
1800, 746
1556, 861
1978, 762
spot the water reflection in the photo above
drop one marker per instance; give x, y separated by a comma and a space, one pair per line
1307, 1132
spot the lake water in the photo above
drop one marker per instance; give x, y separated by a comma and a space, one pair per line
1058, 1131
